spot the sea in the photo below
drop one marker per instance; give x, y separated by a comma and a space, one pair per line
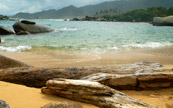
88, 36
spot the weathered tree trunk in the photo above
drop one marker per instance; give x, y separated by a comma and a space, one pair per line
93, 93
37, 77
133, 81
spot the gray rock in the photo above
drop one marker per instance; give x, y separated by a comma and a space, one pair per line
10, 63
5, 31
30, 27
163, 21
62, 105
3, 104
93, 93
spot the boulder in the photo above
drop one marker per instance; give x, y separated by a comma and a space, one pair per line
28, 27
10, 63
23, 33
4, 104
62, 105
93, 93
4, 31
163, 21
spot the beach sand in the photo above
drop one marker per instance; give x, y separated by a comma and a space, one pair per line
55, 59
19, 96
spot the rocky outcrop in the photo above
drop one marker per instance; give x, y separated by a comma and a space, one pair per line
4, 31
62, 105
10, 63
4, 104
28, 27
36, 77
93, 93
133, 81
163, 21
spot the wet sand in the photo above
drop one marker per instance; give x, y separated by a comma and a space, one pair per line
79, 59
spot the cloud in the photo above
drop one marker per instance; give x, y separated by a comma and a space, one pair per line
10, 7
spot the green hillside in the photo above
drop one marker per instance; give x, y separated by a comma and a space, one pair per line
122, 6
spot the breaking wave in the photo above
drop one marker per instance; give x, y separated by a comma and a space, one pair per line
149, 45
15, 49
66, 29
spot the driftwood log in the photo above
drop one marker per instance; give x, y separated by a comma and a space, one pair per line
37, 77
93, 93
133, 81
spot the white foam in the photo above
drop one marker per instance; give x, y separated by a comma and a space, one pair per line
67, 29
149, 45
2, 41
114, 47
15, 49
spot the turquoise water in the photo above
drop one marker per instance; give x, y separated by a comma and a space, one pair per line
89, 36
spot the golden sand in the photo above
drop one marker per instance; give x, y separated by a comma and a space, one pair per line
18, 96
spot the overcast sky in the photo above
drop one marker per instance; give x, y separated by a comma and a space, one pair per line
10, 7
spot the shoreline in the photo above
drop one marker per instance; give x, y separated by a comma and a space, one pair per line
53, 59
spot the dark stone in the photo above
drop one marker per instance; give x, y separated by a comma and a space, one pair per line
10, 63
3, 104
4, 31
27, 27
28, 22
62, 105
23, 33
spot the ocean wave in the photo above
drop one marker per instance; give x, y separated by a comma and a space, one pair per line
2, 41
56, 19
15, 49
149, 45
66, 29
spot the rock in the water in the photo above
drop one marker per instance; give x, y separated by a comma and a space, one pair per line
10, 63
23, 33
163, 21
93, 93
28, 22
4, 31
3, 104
62, 105
29, 27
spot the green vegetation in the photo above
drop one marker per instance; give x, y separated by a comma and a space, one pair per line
3, 17
141, 15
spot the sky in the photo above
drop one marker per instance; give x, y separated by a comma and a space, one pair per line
11, 7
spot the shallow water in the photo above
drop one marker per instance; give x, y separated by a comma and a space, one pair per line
92, 37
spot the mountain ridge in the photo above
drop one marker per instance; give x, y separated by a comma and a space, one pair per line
90, 10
